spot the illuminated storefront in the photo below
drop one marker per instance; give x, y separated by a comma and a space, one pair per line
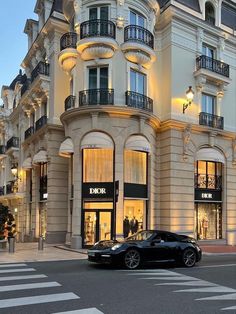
208, 200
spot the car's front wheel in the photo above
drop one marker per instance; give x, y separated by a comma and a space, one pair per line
189, 258
132, 259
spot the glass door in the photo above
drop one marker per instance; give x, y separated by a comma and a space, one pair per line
97, 226
98, 85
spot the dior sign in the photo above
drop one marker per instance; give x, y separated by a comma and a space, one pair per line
97, 191
206, 195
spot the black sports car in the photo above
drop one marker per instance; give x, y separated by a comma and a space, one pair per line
147, 246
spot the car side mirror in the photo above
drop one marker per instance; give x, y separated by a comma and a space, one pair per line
156, 241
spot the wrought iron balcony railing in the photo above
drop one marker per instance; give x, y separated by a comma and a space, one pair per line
40, 123
29, 132
68, 40
11, 188
139, 34
210, 181
98, 28
69, 102
41, 68
2, 149
91, 97
138, 101
204, 62
211, 120
13, 142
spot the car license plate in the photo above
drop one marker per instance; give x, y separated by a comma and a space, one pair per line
91, 254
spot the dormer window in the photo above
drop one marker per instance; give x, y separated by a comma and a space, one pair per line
209, 13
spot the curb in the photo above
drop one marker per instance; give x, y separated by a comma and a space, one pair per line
71, 250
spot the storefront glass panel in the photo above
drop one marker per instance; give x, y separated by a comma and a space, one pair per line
98, 165
209, 221
134, 216
135, 167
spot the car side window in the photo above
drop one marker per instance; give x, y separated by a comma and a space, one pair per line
170, 238
160, 236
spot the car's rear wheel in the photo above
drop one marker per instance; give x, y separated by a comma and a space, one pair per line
189, 258
132, 259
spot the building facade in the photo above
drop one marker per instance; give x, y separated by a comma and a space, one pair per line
98, 139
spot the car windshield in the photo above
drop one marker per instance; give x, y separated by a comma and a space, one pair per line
140, 236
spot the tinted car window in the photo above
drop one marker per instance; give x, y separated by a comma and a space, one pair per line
170, 238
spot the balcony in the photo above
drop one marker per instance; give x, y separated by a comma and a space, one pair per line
29, 132
41, 69
138, 45
210, 181
138, 101
212, 71
13, 143
68, 55
70, 102
204, 62
211, 120
40, 123
93, 97
97, 39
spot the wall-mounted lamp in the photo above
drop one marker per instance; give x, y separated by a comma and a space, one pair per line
14, 170
189, 96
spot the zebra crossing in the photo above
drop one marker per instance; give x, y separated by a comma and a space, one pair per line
8, 276
188, 284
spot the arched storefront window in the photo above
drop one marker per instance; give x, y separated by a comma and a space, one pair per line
209, 13
135, 184
97, 187
208, 194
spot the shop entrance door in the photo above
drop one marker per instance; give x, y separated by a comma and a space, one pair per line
97, 226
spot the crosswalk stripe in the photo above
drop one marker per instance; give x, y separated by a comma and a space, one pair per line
29, 286
184, 278
144, 270
220, 289
9, 278
229, 308
155, 274
187, 283
231, 296
91, 310
4, 271
6, 303
12, 265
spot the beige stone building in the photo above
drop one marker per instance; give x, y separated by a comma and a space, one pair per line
124, 118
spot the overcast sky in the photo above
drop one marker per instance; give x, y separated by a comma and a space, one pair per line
13, 15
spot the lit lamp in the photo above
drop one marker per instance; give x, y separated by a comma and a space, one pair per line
14, 170
189, 96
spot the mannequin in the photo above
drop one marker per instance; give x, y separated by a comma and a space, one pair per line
205, 223
126, 227
133, 225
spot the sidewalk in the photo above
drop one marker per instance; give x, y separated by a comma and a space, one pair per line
28, 252
218, 249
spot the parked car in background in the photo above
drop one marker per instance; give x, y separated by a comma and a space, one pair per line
147, 246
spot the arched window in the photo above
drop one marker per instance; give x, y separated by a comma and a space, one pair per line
209, 13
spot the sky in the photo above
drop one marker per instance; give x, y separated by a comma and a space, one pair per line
14, 42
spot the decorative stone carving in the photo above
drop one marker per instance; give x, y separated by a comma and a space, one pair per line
46, 44
234, 151
186, 140
97, 52
77, 19
120, 20
138, 57
200, 38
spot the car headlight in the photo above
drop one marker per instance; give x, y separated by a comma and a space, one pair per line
117, 246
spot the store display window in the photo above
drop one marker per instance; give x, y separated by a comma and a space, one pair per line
134, 216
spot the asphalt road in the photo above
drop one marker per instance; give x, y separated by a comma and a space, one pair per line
117, 291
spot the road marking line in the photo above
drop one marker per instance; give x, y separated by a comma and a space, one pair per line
22, 277
220, 289
213, 266
145, 270
156, 274
29, 286
91, 310
16, 270
231, 296
12, 265
38, 299
187, 283
172, 278
229, 308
